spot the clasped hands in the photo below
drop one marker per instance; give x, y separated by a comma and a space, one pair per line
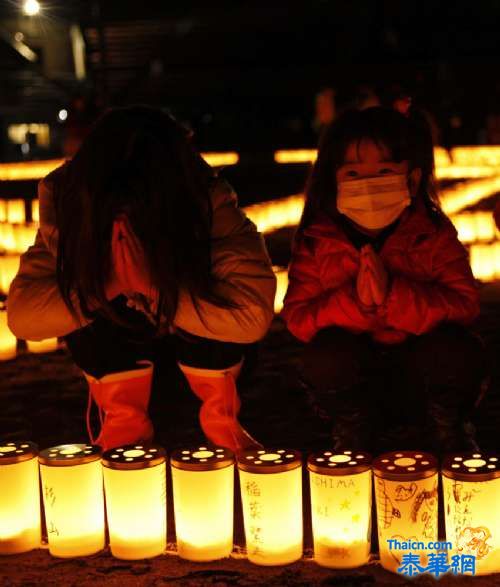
372, 283
129, 266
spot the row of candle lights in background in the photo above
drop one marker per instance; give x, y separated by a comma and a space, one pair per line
476, 230
135, 492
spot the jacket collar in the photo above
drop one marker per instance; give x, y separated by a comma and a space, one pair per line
411, 228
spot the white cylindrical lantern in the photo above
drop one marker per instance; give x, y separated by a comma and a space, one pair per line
471, 487
16, 212
341, 507
35, 211
24, 236
8, 342
406, 492
204, 527
20, 497
135, 483
9, 266
73, 499
271, 493
7, 238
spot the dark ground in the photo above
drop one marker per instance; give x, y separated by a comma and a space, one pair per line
44, 400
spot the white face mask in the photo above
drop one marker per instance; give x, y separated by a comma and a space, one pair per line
374, 202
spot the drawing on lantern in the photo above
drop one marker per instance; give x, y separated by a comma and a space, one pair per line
404, 493
386, 511
474, 541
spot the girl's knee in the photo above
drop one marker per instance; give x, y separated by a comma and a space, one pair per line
335, 359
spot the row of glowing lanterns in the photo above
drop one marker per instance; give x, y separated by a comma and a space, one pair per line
457, 163
77, 480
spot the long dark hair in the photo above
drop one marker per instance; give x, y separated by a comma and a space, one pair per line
137, 160
407, 138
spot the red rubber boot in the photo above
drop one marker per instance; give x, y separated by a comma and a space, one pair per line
221, 405
123, 397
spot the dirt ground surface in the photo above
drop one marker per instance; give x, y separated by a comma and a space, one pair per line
44, 400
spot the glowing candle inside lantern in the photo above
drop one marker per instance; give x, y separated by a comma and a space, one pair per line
73, 499
341, 499
35, 210
271, 492
7, 238
16, 213
482, 260
281, 288
47, 345
24, 237
9, 266
8, 341
471, 488
204, 528
406, 491
135, 485
20, 498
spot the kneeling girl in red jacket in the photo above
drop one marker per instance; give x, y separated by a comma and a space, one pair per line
381, 289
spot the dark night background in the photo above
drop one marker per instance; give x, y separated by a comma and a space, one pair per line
245, 74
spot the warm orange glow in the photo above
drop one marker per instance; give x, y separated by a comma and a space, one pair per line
281, 287
48, 345
35, 210
16, 211
7, 237
471, 483
28, 170
269, 216
24, 236
441, 157
272, 508
8, 341
341, 508
135, 483
295, 156
467, 157
221, 159
204, 528
485, 261
73, 499
20, 502
406, 494
456, 198
9, 266
459, 172
31, 170
476, 155
475, 226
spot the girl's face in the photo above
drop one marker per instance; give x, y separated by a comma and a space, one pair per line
365, 159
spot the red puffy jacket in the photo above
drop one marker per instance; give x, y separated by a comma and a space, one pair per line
431, 281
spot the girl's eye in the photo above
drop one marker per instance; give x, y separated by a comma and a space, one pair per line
351, 173
385, 170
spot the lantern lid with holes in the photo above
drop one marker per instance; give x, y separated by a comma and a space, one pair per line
134, 456
69, 455
471, 466
405, 464
269, 461
202, 458
346, 462
17, 452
